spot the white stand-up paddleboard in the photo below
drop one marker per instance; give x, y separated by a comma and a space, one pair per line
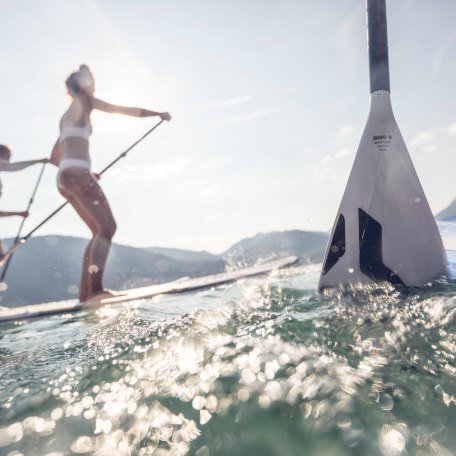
179, 286
384, 229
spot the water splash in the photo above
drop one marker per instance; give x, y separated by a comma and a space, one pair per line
261, 367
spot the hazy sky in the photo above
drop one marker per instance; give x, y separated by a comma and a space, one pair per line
268, 97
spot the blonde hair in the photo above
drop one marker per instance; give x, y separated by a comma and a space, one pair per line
78, 81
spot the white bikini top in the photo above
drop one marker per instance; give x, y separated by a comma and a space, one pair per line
69, 130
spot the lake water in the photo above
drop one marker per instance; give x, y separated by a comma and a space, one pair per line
262, 367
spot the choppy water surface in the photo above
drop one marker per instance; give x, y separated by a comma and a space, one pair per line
264, 367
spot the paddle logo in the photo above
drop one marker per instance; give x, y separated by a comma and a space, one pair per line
382, 142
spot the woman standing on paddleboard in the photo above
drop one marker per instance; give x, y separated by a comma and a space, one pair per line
76, 182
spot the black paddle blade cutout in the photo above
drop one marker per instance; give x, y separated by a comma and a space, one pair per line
370, 251
337, 247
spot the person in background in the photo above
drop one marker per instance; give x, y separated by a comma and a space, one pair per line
79, 185
6, 166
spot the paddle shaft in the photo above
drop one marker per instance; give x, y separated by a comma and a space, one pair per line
8, 261
122, 155
378, 45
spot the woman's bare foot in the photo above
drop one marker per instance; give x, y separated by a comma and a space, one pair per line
103, 294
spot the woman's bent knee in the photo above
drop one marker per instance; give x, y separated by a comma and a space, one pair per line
108, 231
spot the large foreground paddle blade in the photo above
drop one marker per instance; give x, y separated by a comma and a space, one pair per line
384, 229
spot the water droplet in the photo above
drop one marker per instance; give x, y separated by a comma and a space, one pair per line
52, 240
82, 445
73, 289
93, 269
386, 401
392, 442
205, 416
243, 395
198, 402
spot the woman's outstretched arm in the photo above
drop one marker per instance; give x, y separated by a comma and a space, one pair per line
10, 213
18, 166
128, 111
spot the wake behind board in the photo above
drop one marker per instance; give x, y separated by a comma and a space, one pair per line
448, 232
179, 286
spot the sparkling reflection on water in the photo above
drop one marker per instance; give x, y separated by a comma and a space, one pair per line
264, 367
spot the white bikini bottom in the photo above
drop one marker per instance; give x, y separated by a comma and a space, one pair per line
73, 163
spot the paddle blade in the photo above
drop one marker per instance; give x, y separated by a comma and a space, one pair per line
384, 229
